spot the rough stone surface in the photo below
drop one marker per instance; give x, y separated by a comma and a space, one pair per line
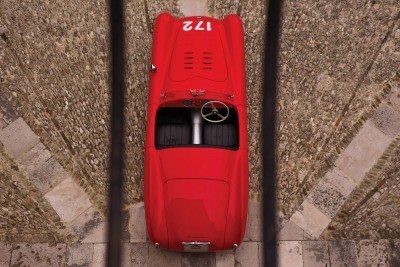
137, 223
160, 258
225, 259
39, 255
292, 231
47, 176
5, 255
315, 253
341, 182
97, 235
25, 216
68, 200
86, 223
79, 255
193, 7
363, 152
310, 219
393, 252
387, 120
18, 138
198, 259
342, 253
247, 254
254, 222
373, 209
34, 158
290, 253
326, 198
372, 253
99, 255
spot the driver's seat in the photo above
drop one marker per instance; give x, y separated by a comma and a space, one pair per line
220, 134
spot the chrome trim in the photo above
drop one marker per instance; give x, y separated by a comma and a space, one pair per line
153, 68
197, 123
157, 245
196, 246
194, 92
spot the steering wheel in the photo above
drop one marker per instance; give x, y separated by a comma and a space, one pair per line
215, 112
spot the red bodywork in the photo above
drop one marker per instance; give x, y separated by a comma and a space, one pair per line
197, 193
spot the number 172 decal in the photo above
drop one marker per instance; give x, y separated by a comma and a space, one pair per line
188, 26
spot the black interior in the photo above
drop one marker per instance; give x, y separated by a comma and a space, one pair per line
173, 129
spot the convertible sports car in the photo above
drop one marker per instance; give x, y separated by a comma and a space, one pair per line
196, 163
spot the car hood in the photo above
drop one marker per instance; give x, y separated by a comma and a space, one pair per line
196, 210
201, 163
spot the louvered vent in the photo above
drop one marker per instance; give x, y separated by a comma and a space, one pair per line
207, 61
188, 60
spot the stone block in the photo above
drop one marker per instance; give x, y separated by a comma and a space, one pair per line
290, 254
315, 253
363, 152
193, 7
326, 198
254, 230
5, 255
99, 255
160, 258
86, 223
372, 253
137, 223
394, 252
310, 219
48, 175
68, 200
198, 259
387, 120
79, 255
38, 255
292, 231
98, 234
225, 259
247, 254
18, 138
342, 183
34, 158
342, 253
137, 255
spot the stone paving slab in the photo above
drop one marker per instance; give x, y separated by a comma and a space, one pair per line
372, 253
79, 255
34, 158
342, 253
68, 200
363, 152
247, 254
254, 222
225, 259
387, 120
38, 255
292, 231
137, 223
193, 7
86, 223
18, 138
290, 254
310, 219
315, 254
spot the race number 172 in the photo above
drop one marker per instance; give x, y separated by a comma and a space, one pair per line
189, 25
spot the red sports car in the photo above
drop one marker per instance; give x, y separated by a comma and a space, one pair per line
196, 154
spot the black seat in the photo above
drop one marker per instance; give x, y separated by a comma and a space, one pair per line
172, 135
217, 134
